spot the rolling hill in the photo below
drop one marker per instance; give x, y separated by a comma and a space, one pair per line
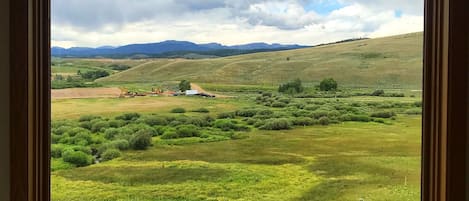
390, 62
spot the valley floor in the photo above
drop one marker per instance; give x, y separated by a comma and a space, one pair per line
347, 161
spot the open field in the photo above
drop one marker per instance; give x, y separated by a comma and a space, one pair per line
345, 161
85, 93
392, 62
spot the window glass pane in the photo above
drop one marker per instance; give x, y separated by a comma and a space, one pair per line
236, 100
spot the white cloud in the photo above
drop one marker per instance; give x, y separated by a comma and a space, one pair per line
118, 22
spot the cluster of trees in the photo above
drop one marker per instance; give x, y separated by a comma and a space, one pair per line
93, 75
328, 84
296, 86
292, 87
184, 85
119, 67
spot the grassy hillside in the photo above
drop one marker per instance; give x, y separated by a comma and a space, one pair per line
391, 62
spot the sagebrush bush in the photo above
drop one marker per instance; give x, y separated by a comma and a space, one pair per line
199, 121
141, 140
324, 121
246, 112
169, 135
302, 121
88, 118
201, 110
86, 125
99, 126
116, 123
78, 158
225, 124
277, 124
278, 104
360, 118
383, 114
265, 112
155, 120
226, 115
378, 92
178, 110
414, 111
120, 144
128, 116
110, 133
56, 150
187, 131
110, 154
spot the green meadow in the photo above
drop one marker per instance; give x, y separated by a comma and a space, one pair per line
256, 144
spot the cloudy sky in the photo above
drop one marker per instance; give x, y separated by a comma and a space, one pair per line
94, 23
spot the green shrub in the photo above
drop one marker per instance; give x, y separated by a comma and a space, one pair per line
120, 144
324, 121
285, 100
83, 139
110, 154
394, 95
265, 112
414, 111
291, 87
279, 104
418, 104
225, 124
378, 120
385, 114
99, 126
328, 84
267, 94
199, 121
155, 120
111, 133
128, 116
178, 110
141, 140
246, 112
187, 131
88, 118
226, 115
297, 105
93, 75
86, 125
378, 92
319, 113
301, 113
77, 158
74, 131
55, 138
302, 121
170, 135
277, 124
360, 118
116, 123
56, 150
60, 130
201, 110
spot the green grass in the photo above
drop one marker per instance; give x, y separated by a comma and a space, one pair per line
74, 108
342, 162
391, 62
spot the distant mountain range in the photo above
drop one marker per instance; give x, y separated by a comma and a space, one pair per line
170, 48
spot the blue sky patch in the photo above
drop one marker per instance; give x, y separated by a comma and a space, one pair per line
398, 13
323, 7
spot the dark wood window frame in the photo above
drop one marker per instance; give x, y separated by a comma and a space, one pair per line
444, 118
